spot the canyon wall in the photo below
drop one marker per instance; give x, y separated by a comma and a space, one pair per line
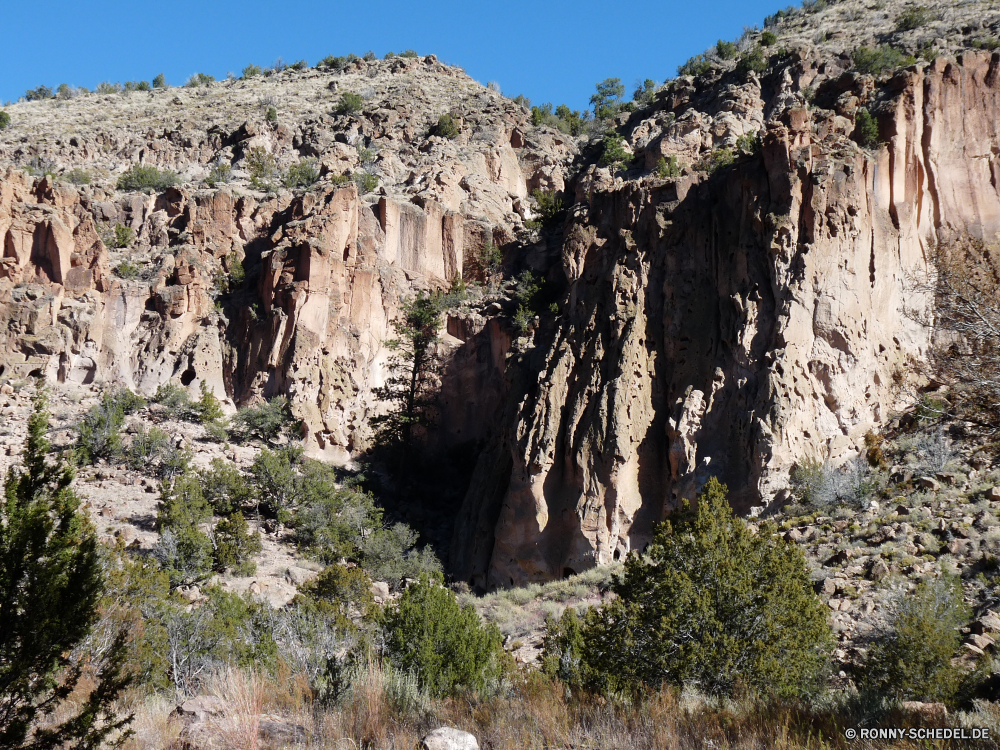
732, 324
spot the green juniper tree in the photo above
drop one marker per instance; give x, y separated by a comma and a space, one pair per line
50, 584
407, 389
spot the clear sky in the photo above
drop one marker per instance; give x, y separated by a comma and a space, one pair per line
548, 50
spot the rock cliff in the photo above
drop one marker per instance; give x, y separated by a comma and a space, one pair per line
735, 300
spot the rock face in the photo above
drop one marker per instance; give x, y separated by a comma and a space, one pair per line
327, 267
755, 309
731, 324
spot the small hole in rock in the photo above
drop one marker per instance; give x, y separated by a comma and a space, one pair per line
187, 377
567, 572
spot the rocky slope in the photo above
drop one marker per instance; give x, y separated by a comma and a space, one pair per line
750, 310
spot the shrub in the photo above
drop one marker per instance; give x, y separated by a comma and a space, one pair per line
550, 205
51, 582
913, 18
668, 169
644, 92
332, 521
753, 60
878, 60
614, 153
911, 658
237, 273
4, 120
562, 649
252, 71
713, 604
342, 588
768, 38
159, 82
77, 177
262, 168
866, 129
99, 432
220, 173
338, 64
726, 50
199, 79
275, 481
695, 66
408, 53
350, 104
224, 487
208, 408
173, 397
391, 555
147, 447
271, 115
446, 127
236, 546
445, 645
264, 421
718, 159
749, 144
39, 94
302, 174
123, 236
147, 179
366, 182
127, 270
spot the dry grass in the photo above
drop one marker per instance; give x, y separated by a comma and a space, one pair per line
537, 714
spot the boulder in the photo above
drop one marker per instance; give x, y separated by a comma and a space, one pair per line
926, 711
449, 738
993, 494
201, 708
928, 483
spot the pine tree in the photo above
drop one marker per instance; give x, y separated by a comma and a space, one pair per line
407, 389
50, 583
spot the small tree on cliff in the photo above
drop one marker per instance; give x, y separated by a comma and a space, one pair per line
407, 390
50, 583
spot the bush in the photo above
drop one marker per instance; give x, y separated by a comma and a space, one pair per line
877, 61
445, 645
607, 98
265, 421
262, 168
331, 522
123, 236
40, 94
199, 79
252, 71
668, 169
754, 61
712, 604
147, 447
208, 408
147, 179
173, 397
614, 153
562, 649
366, 182
274, 481
768, 38
127, 270
4, 120
271, 115
911, 658
76, 176
726, 50
866, 129
913, 18
338, 64
99, 432
224, 487
184, 550
446, 127
391, 555
350, 104
220, 173
749, 144
341, 588
550, 205
236, 546
695, 66
160, 81
718, 159
302, 174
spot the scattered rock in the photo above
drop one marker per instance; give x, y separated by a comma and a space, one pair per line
201, 708
928, 483
449, 738
879, 570
993, 494
930, 712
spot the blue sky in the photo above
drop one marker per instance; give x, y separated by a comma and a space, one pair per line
547, 50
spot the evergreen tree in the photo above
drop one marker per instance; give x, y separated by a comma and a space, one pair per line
407, 389
711, 603
50, 583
